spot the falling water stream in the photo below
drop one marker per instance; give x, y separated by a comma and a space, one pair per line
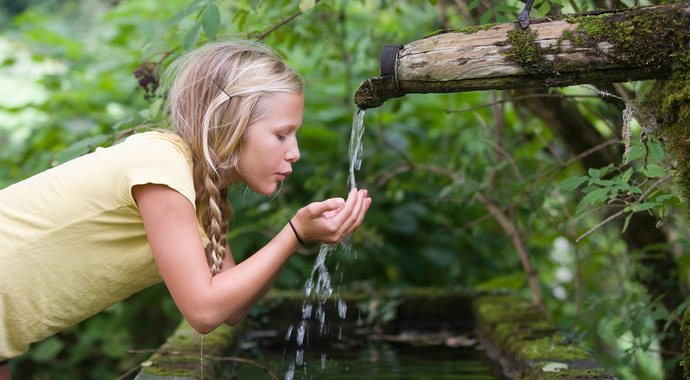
318, 287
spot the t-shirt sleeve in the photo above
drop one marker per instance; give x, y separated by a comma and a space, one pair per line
158, 161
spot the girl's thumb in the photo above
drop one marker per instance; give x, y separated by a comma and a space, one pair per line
331, 204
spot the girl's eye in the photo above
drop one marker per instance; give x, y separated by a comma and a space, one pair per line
281, 137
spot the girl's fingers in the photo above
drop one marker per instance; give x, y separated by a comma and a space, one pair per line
334, 219
356, 215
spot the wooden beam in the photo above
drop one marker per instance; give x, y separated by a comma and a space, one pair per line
594, 47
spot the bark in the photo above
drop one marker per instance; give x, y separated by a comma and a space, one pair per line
595, 47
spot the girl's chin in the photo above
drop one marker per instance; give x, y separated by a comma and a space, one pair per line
265, 190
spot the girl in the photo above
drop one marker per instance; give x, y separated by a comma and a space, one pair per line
86, 234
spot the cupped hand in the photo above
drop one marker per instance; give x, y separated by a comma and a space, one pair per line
332, 220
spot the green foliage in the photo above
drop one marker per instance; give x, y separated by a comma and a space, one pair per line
427, 158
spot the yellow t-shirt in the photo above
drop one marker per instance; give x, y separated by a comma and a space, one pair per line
72, 241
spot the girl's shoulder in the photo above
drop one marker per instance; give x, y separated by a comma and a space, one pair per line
157, 139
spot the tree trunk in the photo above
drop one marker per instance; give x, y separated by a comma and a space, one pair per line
594, 47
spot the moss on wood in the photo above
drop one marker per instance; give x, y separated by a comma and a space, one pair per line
465, 29
648, 38
524, 52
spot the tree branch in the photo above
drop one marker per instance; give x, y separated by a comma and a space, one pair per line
263, 35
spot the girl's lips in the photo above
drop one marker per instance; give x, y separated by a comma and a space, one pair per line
281, 176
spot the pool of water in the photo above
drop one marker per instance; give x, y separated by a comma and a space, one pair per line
366, 357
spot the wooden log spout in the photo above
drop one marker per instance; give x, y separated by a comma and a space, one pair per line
594, 47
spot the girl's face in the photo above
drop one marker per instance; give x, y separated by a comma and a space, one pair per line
270, 144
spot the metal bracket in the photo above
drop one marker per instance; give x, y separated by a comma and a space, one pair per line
389, 58
523, 19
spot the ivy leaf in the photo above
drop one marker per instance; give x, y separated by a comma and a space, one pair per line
210, 21
472, 5
306, 5
573, 183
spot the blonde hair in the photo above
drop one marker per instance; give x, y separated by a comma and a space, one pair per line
217, 92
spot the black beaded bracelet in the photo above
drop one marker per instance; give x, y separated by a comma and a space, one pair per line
299, 239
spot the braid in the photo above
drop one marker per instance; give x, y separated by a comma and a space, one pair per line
217, 226
216, 211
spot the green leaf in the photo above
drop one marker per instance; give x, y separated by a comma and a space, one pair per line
486, 17
210, 21
433, 2
306, 5
79, 148
472, 5
594, 173
47, 349
240, 18
655, 171
662, 198
605, 182
255, 4
596, 196
627, 221
503, 7
657, 151
638, 322
573, 183
645, 206
182, 14
544, 9
155, 108
192, 37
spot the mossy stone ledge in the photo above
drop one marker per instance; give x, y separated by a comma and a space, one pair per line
527, 344
179, 358
513, 332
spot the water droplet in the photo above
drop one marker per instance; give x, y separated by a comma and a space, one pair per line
342, 308
299, 357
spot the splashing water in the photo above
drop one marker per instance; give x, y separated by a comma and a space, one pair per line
318, 287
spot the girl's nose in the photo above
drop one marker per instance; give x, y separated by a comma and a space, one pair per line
292, 153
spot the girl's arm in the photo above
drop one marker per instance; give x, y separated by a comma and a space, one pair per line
205, 301
228, 263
